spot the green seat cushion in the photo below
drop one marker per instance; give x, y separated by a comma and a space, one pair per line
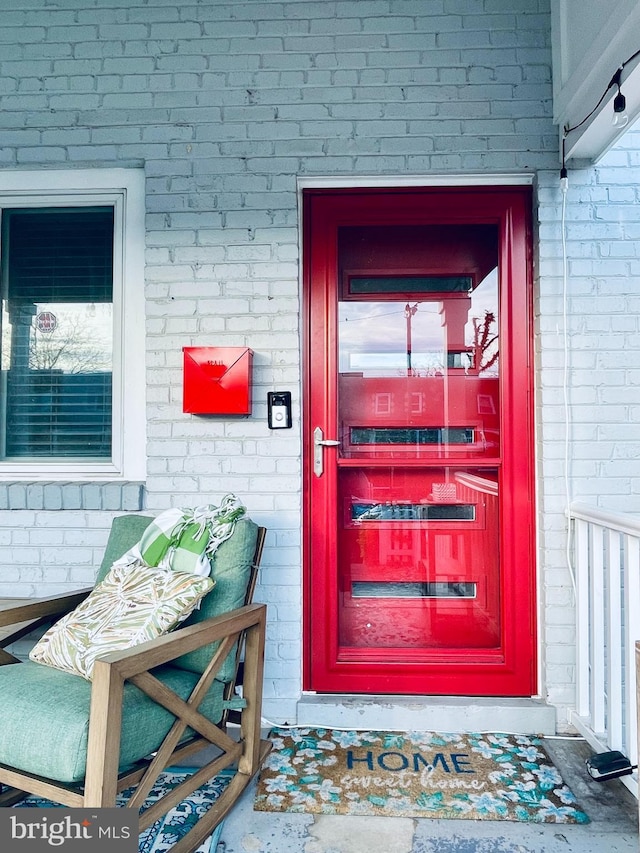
231, 570
45, 718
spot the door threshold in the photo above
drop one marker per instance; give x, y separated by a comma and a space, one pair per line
427, 713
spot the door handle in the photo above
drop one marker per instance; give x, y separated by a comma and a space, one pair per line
319, 442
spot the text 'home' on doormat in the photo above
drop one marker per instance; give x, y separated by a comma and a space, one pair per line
414, 774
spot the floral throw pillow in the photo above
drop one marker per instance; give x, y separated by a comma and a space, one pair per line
130, 606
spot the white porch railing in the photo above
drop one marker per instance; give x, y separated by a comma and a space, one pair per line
606, 557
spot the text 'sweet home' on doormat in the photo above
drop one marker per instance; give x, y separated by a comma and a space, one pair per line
414, 774
165, 833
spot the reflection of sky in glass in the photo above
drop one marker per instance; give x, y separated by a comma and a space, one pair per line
81, 340
373, 335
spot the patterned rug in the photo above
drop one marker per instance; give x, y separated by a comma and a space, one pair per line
414, 774
165, 833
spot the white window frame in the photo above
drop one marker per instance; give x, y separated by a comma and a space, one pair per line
124, 190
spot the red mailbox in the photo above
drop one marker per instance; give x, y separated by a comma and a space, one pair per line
217, 380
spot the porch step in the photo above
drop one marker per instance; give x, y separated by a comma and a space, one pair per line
427, 713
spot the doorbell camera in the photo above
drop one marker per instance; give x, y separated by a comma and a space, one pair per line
279, 409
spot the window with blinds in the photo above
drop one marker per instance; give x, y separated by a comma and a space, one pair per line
57, 332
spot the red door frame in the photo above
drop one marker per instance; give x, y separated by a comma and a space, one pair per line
510, 670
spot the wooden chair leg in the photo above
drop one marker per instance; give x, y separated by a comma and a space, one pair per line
103, 749
219, 810
250, 721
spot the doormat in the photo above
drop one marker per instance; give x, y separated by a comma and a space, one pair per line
166, 832
414, 774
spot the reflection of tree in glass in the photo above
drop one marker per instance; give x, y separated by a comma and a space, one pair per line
483, 340
71, 348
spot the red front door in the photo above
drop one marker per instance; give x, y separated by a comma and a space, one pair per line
418, 442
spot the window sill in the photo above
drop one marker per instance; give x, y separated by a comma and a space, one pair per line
125, 496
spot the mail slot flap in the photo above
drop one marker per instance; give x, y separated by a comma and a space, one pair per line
217, 380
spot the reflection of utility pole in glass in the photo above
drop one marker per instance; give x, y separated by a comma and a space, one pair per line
409, 311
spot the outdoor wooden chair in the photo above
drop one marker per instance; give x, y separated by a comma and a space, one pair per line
78, 742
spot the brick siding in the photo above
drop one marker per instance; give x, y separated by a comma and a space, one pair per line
225, 105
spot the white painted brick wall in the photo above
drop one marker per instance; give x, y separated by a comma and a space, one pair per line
603, 246
225, 105
44, 553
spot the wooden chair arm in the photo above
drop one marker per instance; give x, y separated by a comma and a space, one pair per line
145, 656
25, 615
39, 608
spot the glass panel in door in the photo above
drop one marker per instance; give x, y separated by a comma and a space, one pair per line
419, 430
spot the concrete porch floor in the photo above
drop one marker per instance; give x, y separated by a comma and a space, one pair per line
612, 808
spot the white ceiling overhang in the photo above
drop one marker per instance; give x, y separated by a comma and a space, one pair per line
591, 41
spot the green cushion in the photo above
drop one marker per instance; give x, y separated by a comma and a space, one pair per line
230, 569
126, 531
45, 718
